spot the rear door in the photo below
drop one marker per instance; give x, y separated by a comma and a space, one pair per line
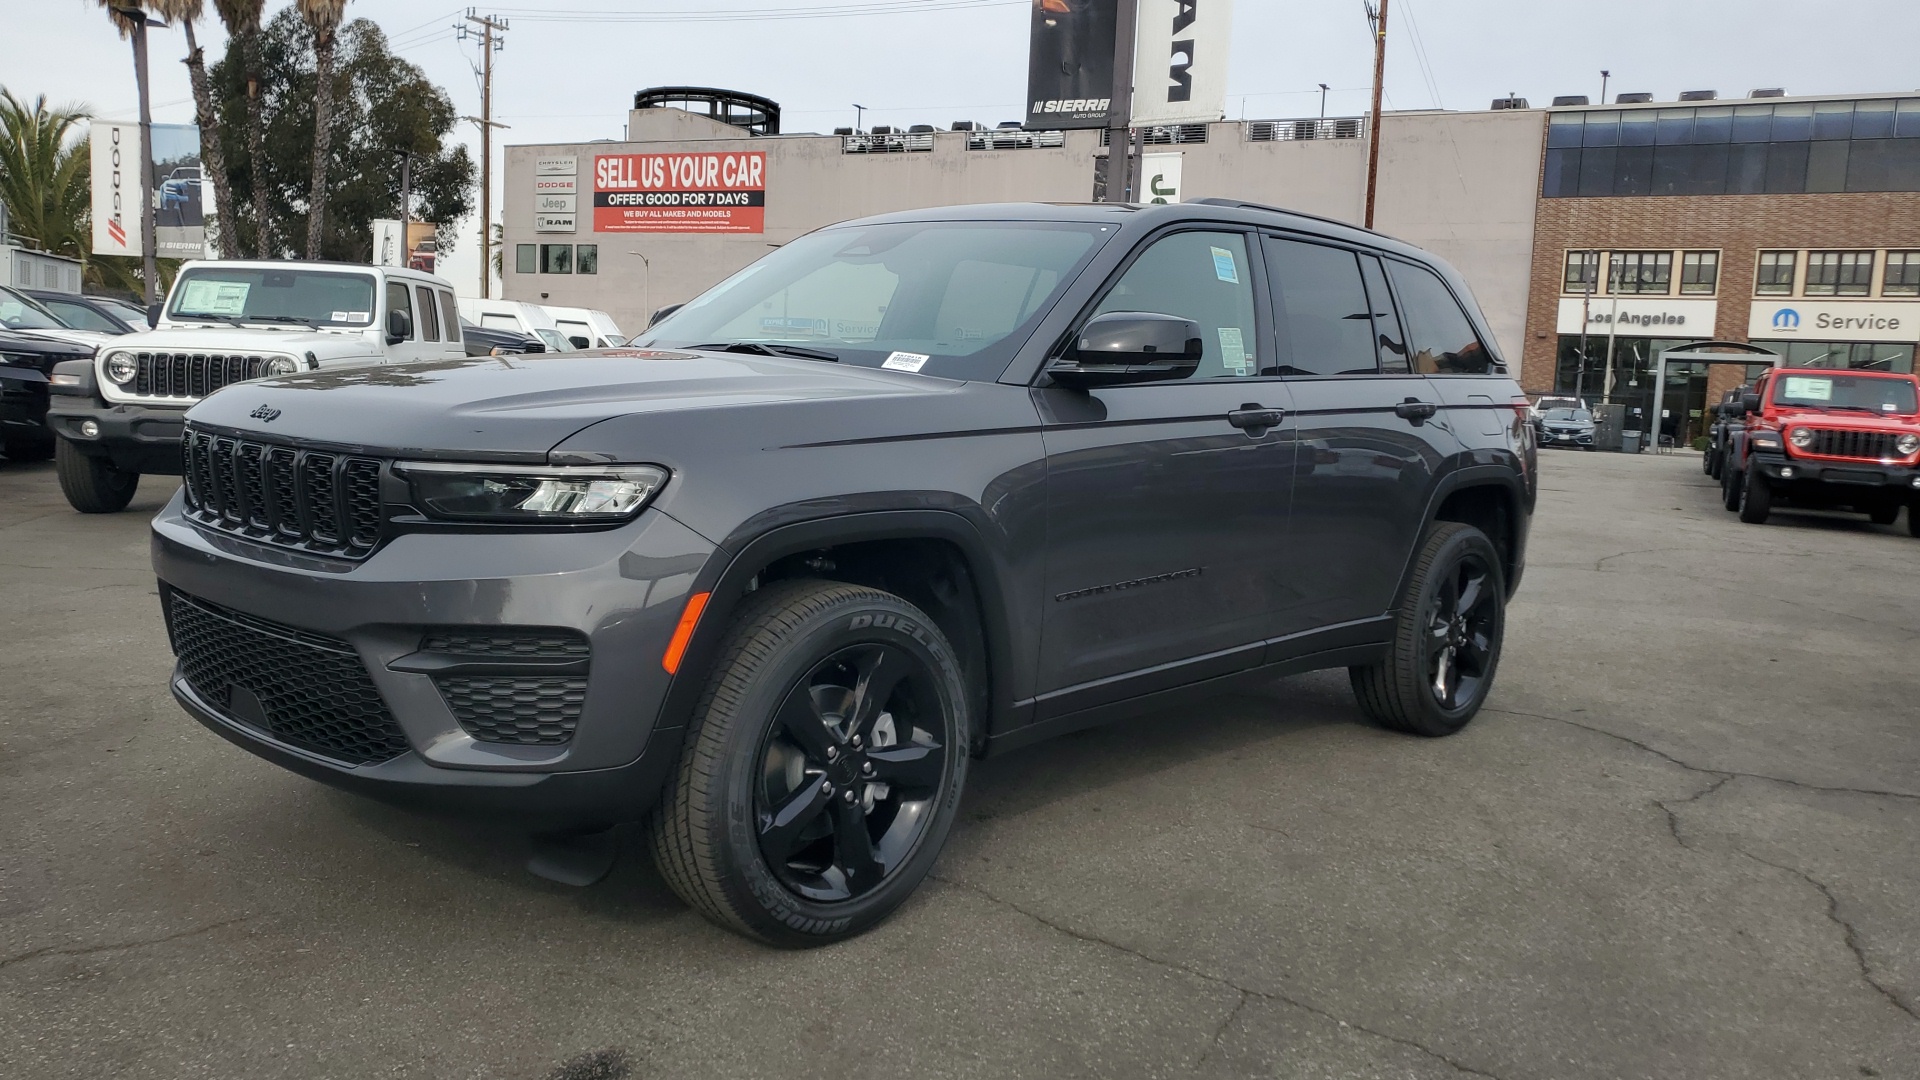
1447, 349
1370, 431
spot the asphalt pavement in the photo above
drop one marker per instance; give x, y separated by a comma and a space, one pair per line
1682, 841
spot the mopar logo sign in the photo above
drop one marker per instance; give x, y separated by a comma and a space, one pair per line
1786, 319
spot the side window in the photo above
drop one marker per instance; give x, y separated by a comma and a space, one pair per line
1440, 335
81, 317
1319, 310
398, 299
449, 315
1387, 332
1203, 276
429, 327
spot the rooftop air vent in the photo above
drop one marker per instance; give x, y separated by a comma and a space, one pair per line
1769, 91
1509, 102
1699, 95
1633, 99
1570, 99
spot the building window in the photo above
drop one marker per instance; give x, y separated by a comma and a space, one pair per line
1644, 272
1839, 273
556, 258
525, 259
587, 259
1903, 274
1582, 273
1699, 272
1775, 277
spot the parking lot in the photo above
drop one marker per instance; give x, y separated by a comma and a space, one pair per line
1682, 841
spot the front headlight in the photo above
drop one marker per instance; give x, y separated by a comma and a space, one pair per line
1800, 437
121, 369
532, 495
279, 365
1907, 444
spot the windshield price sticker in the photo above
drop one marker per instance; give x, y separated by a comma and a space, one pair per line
1223, 266
905, 361
1812, 389
202, 297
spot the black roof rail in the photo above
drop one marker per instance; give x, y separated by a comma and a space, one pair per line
1242, 204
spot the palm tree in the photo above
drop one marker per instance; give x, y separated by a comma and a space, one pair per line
44, 178
213, 159
323, 18
130, 18
242, 20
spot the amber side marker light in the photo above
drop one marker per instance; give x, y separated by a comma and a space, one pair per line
689, 618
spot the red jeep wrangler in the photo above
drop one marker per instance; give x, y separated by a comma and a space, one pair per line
1827, 439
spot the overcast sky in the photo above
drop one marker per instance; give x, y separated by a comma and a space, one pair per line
566, 76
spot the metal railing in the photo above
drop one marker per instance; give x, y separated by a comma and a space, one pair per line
1165, 136
1330, 127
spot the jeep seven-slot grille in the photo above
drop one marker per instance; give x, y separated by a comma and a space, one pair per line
321, 502
192, 375
1868, 445
301, 688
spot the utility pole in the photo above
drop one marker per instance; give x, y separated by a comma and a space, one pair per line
1379, 90
489, 44
1120, 166
406, 191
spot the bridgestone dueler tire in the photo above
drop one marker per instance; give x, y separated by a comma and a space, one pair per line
703, 834
1730, 485
1756, 498
92, 485
1394, 693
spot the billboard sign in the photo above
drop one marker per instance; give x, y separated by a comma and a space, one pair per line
1180, 61
1070, 63
180, 200
679, 193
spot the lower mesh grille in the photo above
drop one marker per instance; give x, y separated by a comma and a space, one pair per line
532, 711
303, 689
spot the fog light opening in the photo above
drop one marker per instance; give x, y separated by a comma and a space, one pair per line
92, 430
1916, 481
1786, 472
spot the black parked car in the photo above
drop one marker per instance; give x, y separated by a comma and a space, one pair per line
771, 583
26, 365
101, 313
491, 341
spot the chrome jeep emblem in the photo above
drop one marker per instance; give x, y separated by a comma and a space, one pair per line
266, 414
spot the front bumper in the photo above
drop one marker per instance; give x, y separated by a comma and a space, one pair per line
621, 589
1836, 481
136, 438
23, 402
1550, 437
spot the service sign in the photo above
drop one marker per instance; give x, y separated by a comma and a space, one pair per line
688, 193
1834, 320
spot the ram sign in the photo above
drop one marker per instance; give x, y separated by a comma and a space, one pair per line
1180, 61
683, 193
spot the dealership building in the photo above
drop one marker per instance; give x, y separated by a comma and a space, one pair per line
1791, 223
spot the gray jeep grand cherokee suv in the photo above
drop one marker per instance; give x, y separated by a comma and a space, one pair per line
907, 491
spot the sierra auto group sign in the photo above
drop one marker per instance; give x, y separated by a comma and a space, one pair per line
724, 192
1834, 320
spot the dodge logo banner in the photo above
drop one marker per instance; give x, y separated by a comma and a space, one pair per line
1070, 63
682, 193
1180, 61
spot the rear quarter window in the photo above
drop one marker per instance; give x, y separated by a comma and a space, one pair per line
1440, 337
449, 315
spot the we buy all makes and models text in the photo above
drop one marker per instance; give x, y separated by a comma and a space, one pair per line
680, 192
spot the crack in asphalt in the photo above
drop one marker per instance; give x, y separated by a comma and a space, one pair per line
1847, 932
1673, 816
1243, 991
86, 950
1220, 1032
1664, 756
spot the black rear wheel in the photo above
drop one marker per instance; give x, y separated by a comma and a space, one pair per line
1447, 636
822, 771
92, 485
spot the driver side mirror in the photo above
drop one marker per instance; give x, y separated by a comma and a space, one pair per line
1749, 403
153, 316
399, 326
1122, 347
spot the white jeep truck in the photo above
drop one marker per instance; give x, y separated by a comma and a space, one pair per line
121, 414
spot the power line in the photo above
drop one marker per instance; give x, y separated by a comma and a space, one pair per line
1420, 54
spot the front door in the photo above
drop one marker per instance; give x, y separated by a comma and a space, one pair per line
1166, 522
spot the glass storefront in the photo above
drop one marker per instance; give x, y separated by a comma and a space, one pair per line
1844, 354
1633, 382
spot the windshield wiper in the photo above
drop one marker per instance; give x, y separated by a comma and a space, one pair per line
1856, 408
762, 348
228, 319
308, 323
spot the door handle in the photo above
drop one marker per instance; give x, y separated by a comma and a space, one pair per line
1255, 418
1415, 410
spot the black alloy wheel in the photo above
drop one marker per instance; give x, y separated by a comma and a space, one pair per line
1448, 628
849, 776
823, 767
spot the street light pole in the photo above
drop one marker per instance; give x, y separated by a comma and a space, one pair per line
859, 111
1323, 101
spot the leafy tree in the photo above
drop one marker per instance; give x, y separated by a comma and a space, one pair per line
212, 159
382, 106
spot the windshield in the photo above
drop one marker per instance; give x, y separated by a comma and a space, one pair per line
18, 312
1579, 416
1851, 393
950, 298
318, 297
554, 340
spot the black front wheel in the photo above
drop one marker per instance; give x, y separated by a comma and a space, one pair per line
822, 771
1732, 480
1447, 635
1756, 498
92, 485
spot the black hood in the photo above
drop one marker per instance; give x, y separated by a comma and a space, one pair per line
516, 408
23, 349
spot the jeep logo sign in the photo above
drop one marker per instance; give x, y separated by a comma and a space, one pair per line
1180, 61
